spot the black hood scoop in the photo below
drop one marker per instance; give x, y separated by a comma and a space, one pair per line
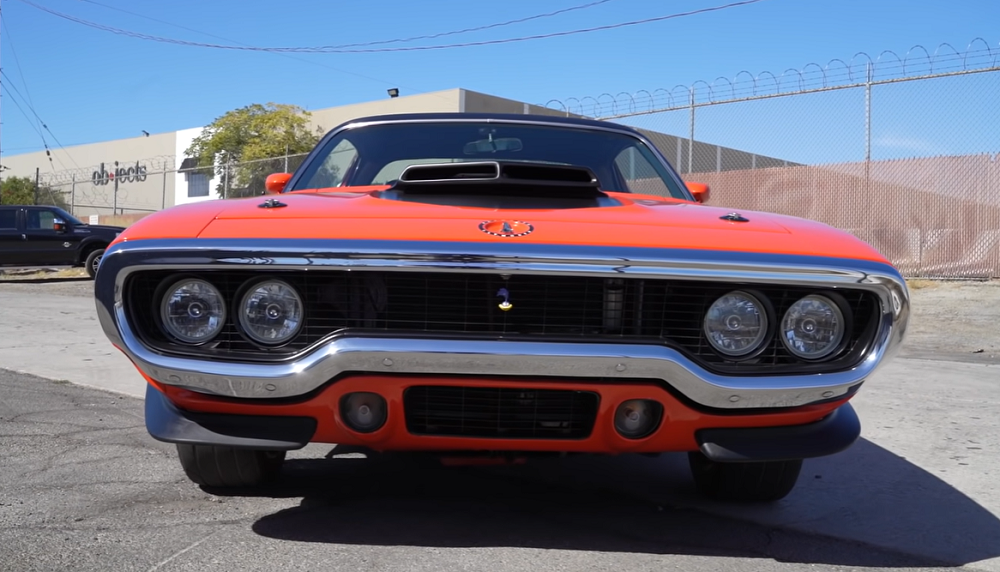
500, 184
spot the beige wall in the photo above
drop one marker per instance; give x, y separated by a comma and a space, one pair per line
71, 173
74, 167
476, 102
438, 101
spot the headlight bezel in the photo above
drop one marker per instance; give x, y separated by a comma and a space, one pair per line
239, 301
767, 312
159, 305
843, 308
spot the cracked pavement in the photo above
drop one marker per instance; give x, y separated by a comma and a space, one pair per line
84, 487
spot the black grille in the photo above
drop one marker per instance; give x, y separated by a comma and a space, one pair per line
500, 412
571, 308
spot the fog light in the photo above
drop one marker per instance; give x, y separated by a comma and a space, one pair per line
637, 418
363, 412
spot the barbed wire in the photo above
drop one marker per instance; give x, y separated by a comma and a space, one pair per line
918, 62
155, 164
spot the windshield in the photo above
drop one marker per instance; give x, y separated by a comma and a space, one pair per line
67, 217
378, 154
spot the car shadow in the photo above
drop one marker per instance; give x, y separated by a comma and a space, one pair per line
46, 280
864, 507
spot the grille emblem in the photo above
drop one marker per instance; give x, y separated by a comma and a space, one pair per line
506, 228
505, 305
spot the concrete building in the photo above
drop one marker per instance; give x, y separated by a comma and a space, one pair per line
145, 174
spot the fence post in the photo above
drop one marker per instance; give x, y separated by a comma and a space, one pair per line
286, 159
691, 135
72, 196
114, 211
36, 185
225, 188
868, 157
163, 194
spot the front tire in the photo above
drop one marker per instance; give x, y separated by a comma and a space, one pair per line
228, 467
760, 481
93, 261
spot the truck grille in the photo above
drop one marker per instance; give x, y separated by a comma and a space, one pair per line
500, 412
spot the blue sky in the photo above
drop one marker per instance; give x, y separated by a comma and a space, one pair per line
90, 85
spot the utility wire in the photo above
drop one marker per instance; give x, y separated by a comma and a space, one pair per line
336, 50
396, 40
20, 70
48, 152
202, 32
31, 107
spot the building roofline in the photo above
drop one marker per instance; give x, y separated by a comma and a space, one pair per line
487, 116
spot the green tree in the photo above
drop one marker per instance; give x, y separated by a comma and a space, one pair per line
238, 144
21, 191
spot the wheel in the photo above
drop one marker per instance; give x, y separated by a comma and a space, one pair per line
213, 466
744, 482
93, 261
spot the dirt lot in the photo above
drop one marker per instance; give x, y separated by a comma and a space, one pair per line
951, 320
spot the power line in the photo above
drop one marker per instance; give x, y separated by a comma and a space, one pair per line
202, 32
396, 40
336, 50
40, 122
48, 152
20, 70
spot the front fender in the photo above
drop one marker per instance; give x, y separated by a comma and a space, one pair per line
88, 245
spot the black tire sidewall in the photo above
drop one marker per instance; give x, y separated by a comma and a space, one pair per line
92, 256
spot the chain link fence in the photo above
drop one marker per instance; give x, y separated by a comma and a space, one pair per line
901, 151
111, 189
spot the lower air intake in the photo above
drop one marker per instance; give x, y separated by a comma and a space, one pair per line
501, 413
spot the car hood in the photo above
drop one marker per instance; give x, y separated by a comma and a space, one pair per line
101, 228
639, 221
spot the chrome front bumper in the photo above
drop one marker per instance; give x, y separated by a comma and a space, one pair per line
395, 355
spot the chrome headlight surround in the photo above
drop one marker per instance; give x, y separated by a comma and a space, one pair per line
837, 309
764, 312
212, 303
286, 305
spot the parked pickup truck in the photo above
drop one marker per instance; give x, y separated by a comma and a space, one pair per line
34, 235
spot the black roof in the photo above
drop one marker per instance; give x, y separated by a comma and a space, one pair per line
499, 117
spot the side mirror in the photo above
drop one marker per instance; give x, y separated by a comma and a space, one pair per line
699, 190
58, 225
275, 182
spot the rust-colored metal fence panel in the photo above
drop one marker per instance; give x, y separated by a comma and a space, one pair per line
934, 216
903, 150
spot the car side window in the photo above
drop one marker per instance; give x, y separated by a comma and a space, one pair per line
639, 174
41, 220
8, 219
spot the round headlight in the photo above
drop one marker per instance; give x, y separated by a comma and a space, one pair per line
271, 312
192, 311
813, 327
736, 324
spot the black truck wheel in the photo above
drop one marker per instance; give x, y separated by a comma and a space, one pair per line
93, 261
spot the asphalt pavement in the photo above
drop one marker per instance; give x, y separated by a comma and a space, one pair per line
83, 486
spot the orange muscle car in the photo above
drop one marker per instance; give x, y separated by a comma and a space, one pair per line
498, 286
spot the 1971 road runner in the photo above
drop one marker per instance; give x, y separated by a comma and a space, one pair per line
498, 285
